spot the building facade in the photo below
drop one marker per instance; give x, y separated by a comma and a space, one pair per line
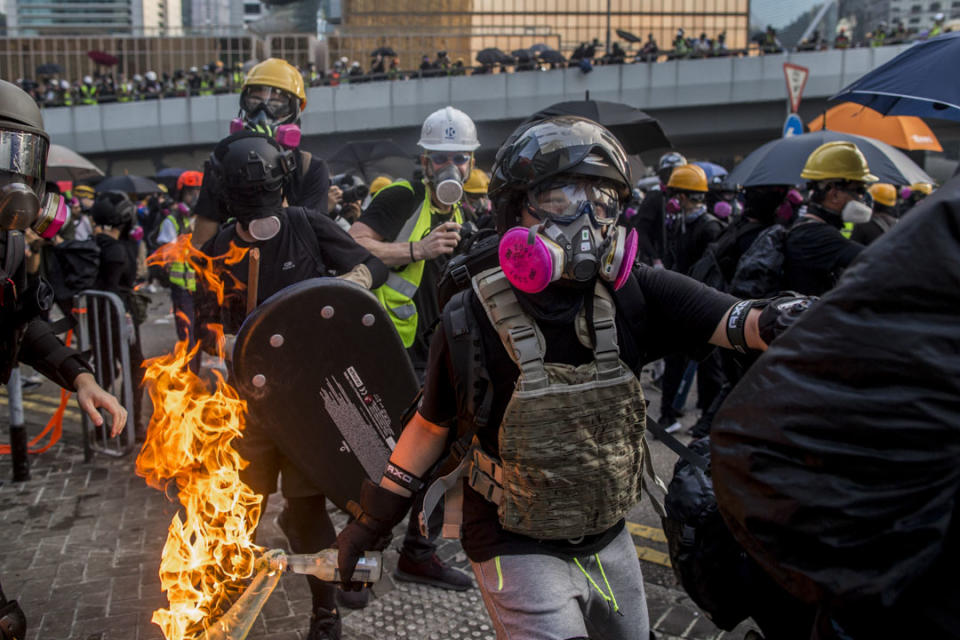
56, 17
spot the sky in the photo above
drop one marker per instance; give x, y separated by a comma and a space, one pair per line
778, 13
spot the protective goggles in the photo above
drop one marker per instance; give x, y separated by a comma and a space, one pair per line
564, 202
25, 154
443, 157
277, 104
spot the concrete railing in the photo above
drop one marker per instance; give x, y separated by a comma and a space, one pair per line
188, 122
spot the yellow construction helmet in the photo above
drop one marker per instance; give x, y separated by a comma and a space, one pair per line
839, 160
688, 177
477, 183
280, 74
922, 187
883, 193
379, 183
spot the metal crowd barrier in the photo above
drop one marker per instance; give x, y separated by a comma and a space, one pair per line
103, 330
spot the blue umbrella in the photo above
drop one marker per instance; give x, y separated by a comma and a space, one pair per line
711, 169
918, 82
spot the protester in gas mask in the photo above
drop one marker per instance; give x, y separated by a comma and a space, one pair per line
271, 102
414, 227
476, 204
816, 253
182, 278
554, 450
246, 171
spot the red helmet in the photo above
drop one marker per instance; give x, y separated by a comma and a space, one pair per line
189, 179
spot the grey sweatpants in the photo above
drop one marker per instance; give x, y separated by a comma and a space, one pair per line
541, 597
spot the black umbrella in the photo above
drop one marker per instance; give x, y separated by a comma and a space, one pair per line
522, 55
372, 157
781, 161
637, 131
629, 37
49, 69
551, 56
493, 56
386, 52
128, 184
539, 47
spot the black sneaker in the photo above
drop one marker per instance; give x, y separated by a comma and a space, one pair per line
324, 625
432, 572
353, 599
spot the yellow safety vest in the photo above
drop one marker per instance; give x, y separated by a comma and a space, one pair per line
396, 296
181, 273
88, 94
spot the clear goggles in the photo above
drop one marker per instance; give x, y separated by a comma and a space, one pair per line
439, 158
276, 103
25, 154
564, 202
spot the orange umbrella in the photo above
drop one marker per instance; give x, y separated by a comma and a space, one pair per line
906, 132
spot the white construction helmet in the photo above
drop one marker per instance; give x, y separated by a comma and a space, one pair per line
87, 80
448, 129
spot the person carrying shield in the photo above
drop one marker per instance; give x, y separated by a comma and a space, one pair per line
536, 367
246, 171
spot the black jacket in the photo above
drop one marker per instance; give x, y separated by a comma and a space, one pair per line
24, 336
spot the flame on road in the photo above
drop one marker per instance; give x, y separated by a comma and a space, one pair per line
189, 454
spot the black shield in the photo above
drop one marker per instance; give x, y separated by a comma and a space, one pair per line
323, 368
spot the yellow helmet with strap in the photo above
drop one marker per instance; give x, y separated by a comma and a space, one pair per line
838, 160
688, 177
280, 74
883, 193
477, 183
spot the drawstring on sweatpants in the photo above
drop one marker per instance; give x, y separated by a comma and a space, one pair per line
611, 597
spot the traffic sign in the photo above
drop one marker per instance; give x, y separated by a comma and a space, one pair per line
792, 126
796, 80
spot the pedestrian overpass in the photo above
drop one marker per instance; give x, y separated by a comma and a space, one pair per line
704, 105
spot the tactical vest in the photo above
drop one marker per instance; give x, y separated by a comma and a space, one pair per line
572, 449
181, 273
396, 295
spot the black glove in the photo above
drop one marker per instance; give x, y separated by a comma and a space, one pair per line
780, 314
211, 203
381, 509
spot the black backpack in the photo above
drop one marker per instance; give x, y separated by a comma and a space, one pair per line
711, 566
74, 267
759, 273
714, 265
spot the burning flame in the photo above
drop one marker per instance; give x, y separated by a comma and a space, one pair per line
189, 450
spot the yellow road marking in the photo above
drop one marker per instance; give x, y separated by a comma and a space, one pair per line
47, 406
650, 533
652, 555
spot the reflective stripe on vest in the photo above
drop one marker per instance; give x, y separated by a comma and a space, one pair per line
181, 273
396, 295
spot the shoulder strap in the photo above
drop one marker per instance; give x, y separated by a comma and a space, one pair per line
305, 159
298, 220
601, 335
16, 248
519, 333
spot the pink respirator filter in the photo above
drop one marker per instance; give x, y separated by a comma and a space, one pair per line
527, 261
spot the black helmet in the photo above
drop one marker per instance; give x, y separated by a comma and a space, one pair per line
248, 161
112, 209
555, 146
23, 142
